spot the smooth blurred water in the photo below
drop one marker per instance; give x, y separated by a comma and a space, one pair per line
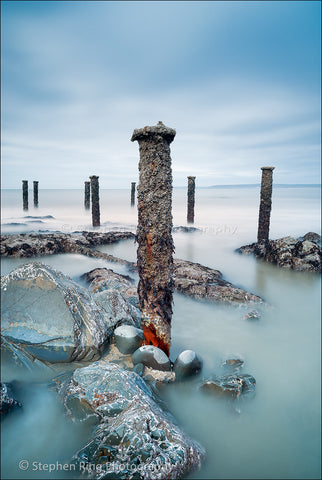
276, 434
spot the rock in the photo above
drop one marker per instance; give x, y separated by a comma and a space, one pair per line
128, 338
230, 385
199, 281
7, 402
52, 317
135, 437
188, 363
152, 357
115, 306
157, 378
302, 254
232, 365
253, 315
185, 229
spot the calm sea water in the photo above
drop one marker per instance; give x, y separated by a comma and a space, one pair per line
275, 435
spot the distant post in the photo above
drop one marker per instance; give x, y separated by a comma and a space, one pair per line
265, 204
155, 244
25, 194
35, 183
87, 198
132, 193
95, 201
191, 200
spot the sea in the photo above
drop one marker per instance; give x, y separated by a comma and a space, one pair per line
275, 434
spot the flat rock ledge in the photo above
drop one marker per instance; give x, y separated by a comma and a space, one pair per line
302, 254
134, 437
192, 279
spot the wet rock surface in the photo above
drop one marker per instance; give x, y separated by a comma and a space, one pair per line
302, 254
151, 356
7, 400
135, 438
51, 317
128, 338
187, 364
233, 385
199, 281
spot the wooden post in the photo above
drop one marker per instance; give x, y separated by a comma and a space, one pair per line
191, 200
133, 193
35, 194
25, 194
265, 204
87, 199
95, 201
155, 244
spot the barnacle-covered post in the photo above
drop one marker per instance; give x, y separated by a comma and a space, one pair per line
35, 193
132, 193
265, 204
25, 194
155, 244
87, 192
191, 200
95, 201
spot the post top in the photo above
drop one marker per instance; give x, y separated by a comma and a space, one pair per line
93, 177
267, 168
158, 130
189, 176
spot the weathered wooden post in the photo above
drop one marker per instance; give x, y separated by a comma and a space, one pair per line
35, 183
87, 198
25, 194
132, 193
191, 200
155, 244
95, 201
265, 203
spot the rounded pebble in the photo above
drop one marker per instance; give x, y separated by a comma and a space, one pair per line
187, 364
152, 357
128, 338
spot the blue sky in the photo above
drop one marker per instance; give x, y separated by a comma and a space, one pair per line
239, 81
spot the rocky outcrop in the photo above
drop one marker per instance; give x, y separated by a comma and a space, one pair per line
54, 319
302, 254
135, 438
33, 244
199, 281
189, 278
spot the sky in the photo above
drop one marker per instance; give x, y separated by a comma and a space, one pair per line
239, 81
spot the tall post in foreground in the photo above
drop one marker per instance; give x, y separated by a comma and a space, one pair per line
265, 204
35, 193
87, 198
95, 201
25, 194
132, 193
155, 244
191, 200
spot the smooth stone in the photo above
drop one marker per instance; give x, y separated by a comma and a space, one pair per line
128, 338
188, 363
153, 357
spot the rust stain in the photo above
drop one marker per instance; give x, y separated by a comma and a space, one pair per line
151, 338
152, 166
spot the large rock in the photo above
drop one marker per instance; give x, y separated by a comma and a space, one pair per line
233, 385
135, 437
302, 254
199, 281
52, 317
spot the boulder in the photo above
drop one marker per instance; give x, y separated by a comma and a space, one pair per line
302, 254
153, 357
128, 338
233, 385
135, 438
187, 364
7, 400
51, 317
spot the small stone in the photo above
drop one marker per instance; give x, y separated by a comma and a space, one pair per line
187, 364
151, 356
232, 364
253, 315
128, 338
230, 385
